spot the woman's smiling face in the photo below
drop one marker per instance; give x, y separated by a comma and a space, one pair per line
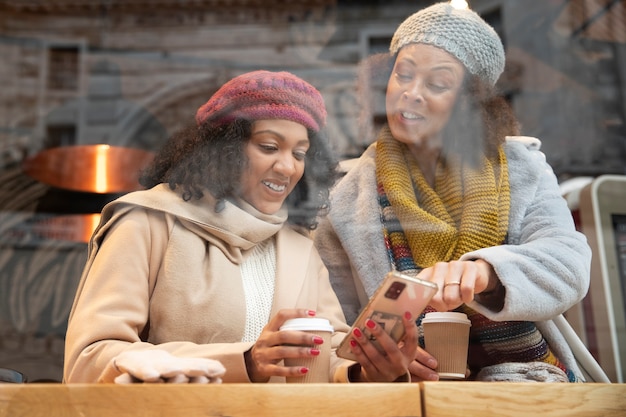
276, 153
421, 93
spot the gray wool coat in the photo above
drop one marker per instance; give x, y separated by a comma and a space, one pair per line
544, 266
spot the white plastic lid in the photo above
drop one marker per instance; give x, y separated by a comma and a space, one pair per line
308, 324
446, 317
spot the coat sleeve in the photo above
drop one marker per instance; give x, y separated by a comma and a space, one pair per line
545, 267
343, 280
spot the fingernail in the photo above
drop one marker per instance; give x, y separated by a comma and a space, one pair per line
315, 352
431, 363
407, 315
370, 323
317, 340
357, 332
352, 342
304, 370
311, 313
433, 377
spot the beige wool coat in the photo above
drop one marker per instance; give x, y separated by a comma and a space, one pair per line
164, 273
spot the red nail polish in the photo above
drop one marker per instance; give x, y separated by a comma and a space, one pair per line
407, 315
357, 332
370, 323
304, 370
311, 313
352, 342
317, 340
315, 352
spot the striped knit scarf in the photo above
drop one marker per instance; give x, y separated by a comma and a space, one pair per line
467, 210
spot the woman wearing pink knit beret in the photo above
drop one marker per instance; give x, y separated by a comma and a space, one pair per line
191, 279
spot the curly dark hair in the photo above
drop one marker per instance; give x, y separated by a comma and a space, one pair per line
480, 120
211, 158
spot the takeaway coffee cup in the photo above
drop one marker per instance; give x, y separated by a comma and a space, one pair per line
446, 337
318, 365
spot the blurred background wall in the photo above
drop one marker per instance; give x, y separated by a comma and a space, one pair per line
88, 85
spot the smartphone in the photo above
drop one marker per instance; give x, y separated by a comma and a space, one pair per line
397, 294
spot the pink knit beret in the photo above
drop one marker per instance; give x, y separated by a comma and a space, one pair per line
261, 95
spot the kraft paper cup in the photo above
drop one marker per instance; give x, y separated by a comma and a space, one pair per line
446, 337
319, 366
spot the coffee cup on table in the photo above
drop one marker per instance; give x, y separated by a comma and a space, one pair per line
319, 366
446, 337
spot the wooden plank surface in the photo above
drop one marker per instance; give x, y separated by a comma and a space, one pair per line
253, 400
507, 399
440, 399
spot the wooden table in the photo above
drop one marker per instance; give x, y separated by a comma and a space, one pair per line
430, 399
523, 399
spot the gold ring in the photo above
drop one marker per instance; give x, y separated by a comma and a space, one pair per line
451, 283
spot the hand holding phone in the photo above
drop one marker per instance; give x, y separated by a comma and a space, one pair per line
397, 294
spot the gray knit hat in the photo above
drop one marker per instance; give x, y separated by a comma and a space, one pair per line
460, 32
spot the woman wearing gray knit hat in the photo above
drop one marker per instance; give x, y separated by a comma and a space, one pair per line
450, 192
191, 279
